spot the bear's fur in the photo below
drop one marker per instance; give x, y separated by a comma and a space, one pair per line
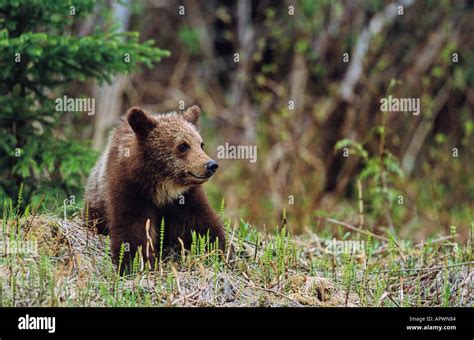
152, 168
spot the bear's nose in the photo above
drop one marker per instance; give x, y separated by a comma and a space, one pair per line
211, 167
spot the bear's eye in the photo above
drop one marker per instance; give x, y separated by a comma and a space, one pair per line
183, 147
202, 146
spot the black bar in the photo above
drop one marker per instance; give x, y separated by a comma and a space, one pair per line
291, 323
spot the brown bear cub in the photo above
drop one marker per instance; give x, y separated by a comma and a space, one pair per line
152, 169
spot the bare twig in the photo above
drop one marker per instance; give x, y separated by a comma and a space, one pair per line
362, 231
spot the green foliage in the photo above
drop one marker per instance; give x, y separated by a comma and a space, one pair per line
162, 238
38, 58
189, 37
379, 172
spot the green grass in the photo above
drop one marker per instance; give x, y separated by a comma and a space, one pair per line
72, 267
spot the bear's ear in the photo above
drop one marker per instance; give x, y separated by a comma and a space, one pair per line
192, 114
140, 121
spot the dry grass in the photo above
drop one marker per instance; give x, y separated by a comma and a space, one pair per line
73, 268
81, 273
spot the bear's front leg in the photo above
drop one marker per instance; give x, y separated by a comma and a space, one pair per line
204, 219
128, 231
